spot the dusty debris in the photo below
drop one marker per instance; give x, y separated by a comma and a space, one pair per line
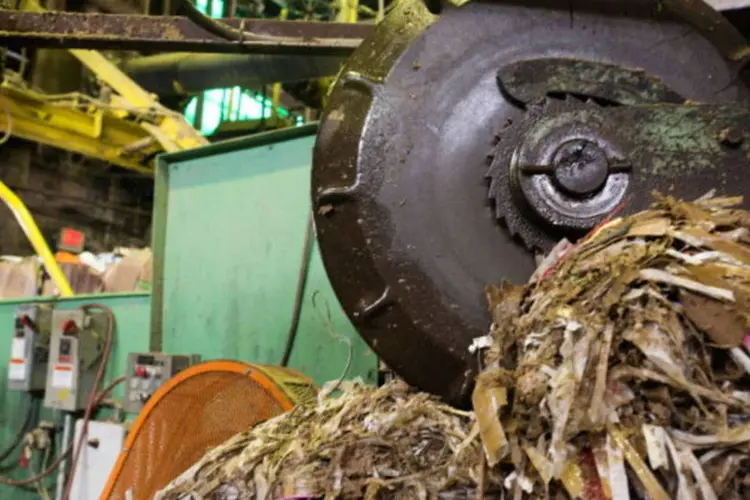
620, 371
626, 366
388, 442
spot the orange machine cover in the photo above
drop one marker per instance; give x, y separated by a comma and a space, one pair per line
198, 409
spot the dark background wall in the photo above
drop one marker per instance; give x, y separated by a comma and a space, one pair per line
112, 206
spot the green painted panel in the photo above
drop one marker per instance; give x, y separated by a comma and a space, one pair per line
230, 222
132, 334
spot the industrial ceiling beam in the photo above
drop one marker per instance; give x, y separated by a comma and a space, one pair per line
67, 30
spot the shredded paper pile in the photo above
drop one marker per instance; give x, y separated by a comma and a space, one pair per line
372, 443
620, 371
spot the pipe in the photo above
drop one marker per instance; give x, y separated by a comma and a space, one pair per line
67, 428
116, 7
188, 73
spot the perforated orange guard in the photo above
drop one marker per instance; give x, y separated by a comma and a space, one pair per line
196, 410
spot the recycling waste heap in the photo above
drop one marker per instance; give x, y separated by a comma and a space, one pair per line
621, 370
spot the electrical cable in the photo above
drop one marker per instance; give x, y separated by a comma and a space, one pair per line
40, 488
8, 124
46, 472
328, 322
225, 31
104, 392
21, 431
208, 23
54, 465
299, 294
94, 394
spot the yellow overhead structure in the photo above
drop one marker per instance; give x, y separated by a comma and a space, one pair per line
127, 130
77, 123
348, 11
171, 129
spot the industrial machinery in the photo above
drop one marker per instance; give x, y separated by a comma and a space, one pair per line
29, 354
199, 408
147, 371
77, 343
461, 143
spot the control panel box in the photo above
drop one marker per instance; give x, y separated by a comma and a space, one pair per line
76, 346
147, 371
29, 352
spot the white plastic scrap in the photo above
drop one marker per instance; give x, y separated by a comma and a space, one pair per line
670, 279
480, 343
740, 358
707, 491
552, 258
618, 477
683, 490
524, 482
656, 446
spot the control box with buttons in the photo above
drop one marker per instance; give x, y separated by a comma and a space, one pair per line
29, 353
76, 347
147, 371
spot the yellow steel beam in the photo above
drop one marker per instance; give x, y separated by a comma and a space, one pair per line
348, 11
127, 136
180, 133
88, 129
36, 239
174, 132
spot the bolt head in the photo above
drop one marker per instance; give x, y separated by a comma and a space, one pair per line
581, 167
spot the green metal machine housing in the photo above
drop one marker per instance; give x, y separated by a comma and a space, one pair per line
229, 228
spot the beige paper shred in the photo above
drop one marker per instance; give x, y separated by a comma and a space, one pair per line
390, 439
637, 326
653, 487
487, 402
618, 477
656, 446
601, 461
618, 372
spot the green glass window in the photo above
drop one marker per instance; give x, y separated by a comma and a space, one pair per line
229, 104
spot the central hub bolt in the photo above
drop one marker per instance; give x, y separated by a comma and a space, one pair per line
580, 167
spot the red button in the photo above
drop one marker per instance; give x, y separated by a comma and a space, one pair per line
71, 237
140, 371
70, 327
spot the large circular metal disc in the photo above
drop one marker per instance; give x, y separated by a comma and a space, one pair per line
406, 232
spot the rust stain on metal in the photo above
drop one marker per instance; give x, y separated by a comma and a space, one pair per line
174, 33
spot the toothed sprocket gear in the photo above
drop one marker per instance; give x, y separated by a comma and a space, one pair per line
398, 181
570, 143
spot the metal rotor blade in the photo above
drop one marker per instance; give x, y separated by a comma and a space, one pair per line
407, 233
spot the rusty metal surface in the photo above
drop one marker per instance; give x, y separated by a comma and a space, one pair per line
531, 80
174, 33
406, 230
550, 209
572, 162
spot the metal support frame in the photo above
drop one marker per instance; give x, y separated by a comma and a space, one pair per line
68, 30
112, 134
171, 130
128, 130
75, 124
